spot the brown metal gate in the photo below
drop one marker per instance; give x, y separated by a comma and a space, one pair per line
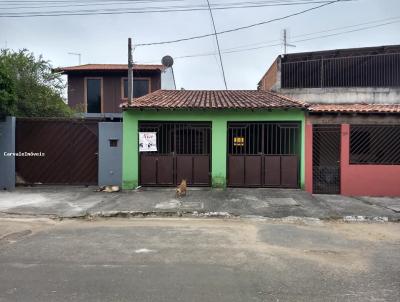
69, 149
183, 152
326, 159
263, 154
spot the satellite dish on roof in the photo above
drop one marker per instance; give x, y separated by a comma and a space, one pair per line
167, 61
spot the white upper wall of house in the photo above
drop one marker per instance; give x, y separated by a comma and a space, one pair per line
168, 79
350, 95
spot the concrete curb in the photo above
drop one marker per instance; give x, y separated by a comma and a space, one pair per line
197, 214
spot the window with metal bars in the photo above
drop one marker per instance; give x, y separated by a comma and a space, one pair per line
263, 138
381, 70
180, 137
375, 144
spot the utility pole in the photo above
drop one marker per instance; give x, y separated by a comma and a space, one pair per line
285, 41
77, 54
130, 71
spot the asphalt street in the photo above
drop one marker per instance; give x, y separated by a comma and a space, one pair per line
172, 259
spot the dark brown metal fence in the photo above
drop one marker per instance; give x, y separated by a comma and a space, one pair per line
183, 152
375, 144
326, 159
263, 154
356, 71
70, 149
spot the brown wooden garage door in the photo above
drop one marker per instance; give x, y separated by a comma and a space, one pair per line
263, 155
69, 146
183, 152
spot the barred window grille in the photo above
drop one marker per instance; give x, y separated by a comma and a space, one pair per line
263, 138
180, 137
358, 71
375, 144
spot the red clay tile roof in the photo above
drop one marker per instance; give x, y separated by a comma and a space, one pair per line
355, 108
108, 67
213, 99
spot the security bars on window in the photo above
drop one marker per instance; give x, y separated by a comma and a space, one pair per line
263, 138
180, 137
358, 71
375, 144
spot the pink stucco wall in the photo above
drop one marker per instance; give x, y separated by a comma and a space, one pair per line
366, 180
308, 159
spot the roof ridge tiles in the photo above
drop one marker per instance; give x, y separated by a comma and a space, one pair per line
214, 99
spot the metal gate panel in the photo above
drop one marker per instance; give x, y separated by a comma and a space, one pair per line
70, 148
85, 167
183, 152
184, 169
252, 172
272, 174
326, 159
289, 171
148, 169
201, 169
165, 170
236, 170
268, 152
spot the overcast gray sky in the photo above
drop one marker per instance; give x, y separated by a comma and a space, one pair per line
103, 38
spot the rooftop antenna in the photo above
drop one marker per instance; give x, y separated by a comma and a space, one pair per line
79, 55
285, 41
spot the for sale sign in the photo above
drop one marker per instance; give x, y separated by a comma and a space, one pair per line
147, 141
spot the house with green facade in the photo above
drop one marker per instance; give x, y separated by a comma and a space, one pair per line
234, 138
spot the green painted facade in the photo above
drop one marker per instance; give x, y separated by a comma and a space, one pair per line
219, 120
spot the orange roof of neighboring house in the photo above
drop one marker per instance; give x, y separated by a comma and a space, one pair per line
355, 108
213, 99
108, 67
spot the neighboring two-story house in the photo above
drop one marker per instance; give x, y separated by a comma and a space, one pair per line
354, 75
97, 90
353, 116
101, 88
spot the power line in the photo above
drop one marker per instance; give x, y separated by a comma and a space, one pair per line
57, 4
317, 32
241, 27
220, 6
241, 48
130, 1
216, 39
151, 9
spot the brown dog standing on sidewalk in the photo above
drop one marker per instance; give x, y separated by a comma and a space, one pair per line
181, 189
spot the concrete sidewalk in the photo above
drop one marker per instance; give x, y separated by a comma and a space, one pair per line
67, 202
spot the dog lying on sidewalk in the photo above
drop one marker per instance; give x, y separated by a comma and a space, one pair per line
108, 189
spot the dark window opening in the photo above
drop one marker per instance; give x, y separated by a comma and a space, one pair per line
375, 144
93, 95
141, 87
113, 142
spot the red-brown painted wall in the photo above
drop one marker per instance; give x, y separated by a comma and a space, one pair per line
309, 159
366, 180
270, 77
